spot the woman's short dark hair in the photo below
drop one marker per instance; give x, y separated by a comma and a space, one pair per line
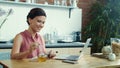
35, 12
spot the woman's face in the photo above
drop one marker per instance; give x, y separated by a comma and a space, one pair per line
37, 23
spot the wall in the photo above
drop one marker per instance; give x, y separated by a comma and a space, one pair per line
85, 6
57, 18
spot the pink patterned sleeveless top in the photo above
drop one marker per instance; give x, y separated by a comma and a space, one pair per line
27, 40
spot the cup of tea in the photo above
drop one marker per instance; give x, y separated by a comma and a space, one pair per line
42, 58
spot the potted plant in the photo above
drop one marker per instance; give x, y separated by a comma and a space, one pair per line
104, 23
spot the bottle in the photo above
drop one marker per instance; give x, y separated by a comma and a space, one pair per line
77, 36
63, 3
28, 1
74, 3
16, 0
55, 2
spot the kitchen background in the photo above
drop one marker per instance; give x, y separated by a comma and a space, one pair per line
60, 21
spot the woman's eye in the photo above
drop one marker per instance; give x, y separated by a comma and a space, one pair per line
38, 20
41, 22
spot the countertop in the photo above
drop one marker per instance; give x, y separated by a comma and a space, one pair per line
8, 45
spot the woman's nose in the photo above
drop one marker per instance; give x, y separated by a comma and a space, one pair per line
41, 24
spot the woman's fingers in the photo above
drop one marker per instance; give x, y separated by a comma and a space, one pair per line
34, 46
51, 54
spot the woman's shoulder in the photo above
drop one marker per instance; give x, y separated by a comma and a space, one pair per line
23, 32
18, 36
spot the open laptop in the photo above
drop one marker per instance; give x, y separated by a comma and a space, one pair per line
73, 57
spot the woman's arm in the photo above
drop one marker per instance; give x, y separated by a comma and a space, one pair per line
15, 53
50, 54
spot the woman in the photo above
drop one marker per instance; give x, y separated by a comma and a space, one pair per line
29, 44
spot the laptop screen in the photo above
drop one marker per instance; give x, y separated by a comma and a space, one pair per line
86, 44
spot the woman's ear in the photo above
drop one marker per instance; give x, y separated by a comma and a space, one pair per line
29, 20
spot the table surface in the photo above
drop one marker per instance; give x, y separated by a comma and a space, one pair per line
86, 61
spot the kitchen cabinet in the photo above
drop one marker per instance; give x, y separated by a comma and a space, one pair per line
69, 50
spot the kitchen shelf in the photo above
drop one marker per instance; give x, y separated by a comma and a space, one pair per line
42, 5
36, 4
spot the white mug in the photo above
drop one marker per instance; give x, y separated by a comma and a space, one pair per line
106, 50
111, 56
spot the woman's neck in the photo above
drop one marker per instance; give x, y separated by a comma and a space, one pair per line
32, 32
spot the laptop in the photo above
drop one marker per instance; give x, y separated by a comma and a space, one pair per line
73, 57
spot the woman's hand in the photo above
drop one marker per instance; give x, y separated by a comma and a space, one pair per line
33, 46
51, 54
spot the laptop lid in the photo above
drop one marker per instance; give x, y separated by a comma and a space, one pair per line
85, 47
74, 57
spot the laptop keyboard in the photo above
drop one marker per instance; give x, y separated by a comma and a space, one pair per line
73, 57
